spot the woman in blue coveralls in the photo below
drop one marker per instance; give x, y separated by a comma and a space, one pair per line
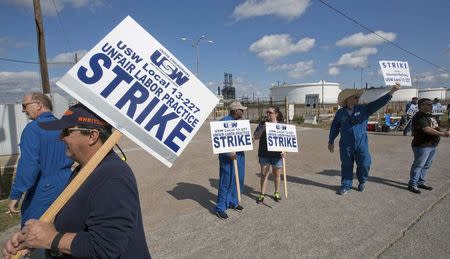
351, 122
227, 196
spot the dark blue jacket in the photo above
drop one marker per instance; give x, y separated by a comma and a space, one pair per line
43, 169
105, 214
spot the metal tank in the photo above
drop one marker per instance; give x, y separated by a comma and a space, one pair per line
307, 93
405, 94
431, 93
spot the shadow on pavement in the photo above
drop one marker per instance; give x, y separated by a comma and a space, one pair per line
247, 191
374, 179
299, 180
198, 193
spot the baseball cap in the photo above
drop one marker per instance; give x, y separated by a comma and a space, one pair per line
236, 106
76, 115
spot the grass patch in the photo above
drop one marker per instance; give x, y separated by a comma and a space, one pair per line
6, 221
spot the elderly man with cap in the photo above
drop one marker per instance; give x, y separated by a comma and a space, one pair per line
103, 218
351, 122
227, 196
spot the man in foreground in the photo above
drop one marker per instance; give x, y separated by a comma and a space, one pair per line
426, 138
103, 218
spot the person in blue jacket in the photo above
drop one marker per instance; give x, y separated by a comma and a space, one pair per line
43, 168
227, 196
351, 122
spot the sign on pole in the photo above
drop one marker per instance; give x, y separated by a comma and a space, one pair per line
138, 86
395, 72
281, 137
231, 136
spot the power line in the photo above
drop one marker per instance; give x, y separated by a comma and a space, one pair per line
34, 62
391, 42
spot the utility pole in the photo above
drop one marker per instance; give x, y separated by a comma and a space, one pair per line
41, 46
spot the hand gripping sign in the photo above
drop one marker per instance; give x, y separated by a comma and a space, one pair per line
134, 83
395, 72
282, 138
231, 136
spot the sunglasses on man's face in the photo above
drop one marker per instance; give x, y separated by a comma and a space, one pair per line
67, 131
270, 112
24, 105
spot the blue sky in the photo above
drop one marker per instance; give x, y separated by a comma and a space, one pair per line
261, 42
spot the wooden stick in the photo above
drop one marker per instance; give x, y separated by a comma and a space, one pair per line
75, 184
284, 178
236, 174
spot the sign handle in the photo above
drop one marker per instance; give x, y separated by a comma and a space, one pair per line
236, 176
75, 184
284, 178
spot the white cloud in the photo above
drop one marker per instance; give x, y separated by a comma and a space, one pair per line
245, 88
364, 40
24, 81
356, 58
334, 71
287, 9
50, 8
297, 70
8, 42
68, 56
430, 77
20, 83
272, 47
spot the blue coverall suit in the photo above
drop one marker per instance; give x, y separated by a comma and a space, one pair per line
43, 169
227, 196
353, 145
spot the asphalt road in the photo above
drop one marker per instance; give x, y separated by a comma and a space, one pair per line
385, 221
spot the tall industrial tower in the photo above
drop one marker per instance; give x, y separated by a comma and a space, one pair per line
228, 91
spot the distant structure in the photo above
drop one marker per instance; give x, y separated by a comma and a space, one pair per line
310, 94
228, 91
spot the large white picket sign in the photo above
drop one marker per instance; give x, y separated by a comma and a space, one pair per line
140, 88
281, 137
395, 72
231, 136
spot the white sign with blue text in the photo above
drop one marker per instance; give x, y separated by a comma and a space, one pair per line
140, 88
231, 136
281, 137
395, 72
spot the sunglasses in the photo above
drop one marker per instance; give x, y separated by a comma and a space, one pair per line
270, 112
67, 131
24, 105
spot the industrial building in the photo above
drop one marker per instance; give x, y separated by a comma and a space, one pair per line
309, 94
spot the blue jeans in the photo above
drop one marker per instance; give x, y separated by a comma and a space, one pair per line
423, 157
274, 162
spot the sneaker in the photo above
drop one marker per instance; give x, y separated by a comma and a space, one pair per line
414, 189
361, 187
238, 208
343, 190
425, 187
260, 198
221, 215
277, 196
